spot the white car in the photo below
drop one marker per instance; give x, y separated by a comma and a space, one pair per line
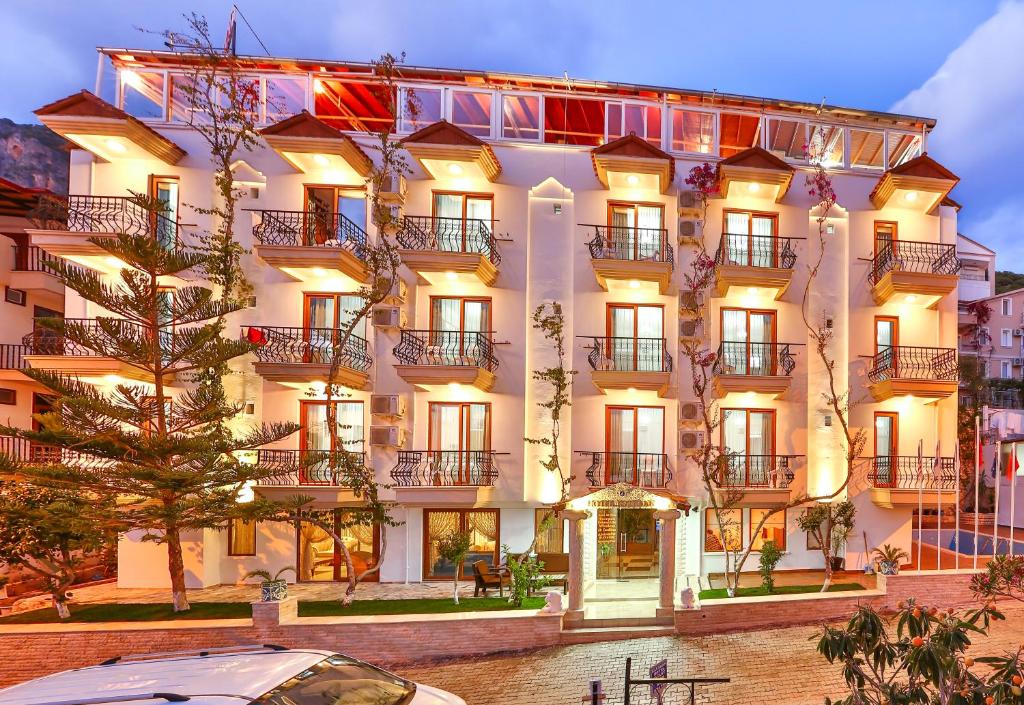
267, 675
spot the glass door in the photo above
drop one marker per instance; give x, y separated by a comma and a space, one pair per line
320, 560
748, 445
635, 337
749, 239
887, 334
326, 316
634, 445
462, 222
165, 190
318, 216
748, 339
886, 447
318, 441
635, 231
459, 327
459, 442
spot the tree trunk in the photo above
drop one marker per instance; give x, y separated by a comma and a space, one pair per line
350, 591
455, 587
176, 566
60, 603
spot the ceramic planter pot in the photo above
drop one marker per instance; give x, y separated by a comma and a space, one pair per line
838, 563
273, 590
889, 567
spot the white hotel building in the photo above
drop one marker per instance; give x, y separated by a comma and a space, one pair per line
528, 189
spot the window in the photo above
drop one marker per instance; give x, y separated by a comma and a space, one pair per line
318, 559
330, 210
142, 93
1007, 306
727, 521
635, 445
737, 132
749, 240
635, 338
8, 397
459, 441
353, 106
885, 236
748, 447
1005, 370
787, 138
284, 96
867, 149
902, 148
887, 448
774, 529
826, 145
183, 95
165, 223
573, 121
550, 531
1006, 338
460, 314
520, 117
748, 338
636, 231
316, 430
483, 528
15, 296
241, 537
471, 111
693, 131
644, 121
429, 103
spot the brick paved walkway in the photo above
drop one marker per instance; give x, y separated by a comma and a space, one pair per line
778, 666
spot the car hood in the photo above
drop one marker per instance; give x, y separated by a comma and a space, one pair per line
425, 695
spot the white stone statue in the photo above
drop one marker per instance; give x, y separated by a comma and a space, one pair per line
686, 598
552, 603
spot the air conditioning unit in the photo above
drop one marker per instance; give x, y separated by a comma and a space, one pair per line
1018, 332
691, 302
391, 405
689, 203
1018, 362
399, 293
689, 329
389, 317
691, 442
393, 189
387, 436
689, 231
691, 412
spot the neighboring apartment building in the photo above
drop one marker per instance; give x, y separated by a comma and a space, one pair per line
529, 189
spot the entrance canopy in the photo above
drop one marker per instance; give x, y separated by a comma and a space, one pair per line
625, 496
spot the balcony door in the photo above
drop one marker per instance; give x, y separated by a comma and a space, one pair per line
635, 231
748, 444
323, 203
635, 445
636, 337
324, 315
887, 340
886, 447
748, 339
746, 239
885, 235
463, 221
459, 327
459, 438
165, 225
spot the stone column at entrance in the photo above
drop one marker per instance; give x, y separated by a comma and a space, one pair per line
667, 562
574, 613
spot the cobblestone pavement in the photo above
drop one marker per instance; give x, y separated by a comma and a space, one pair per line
777, 666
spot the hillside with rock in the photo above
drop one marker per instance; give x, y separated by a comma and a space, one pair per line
32, 155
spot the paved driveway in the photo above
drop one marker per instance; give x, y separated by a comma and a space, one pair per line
770, 666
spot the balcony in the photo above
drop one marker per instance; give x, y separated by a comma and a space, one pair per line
930, 373
918, 273
319, 474
449, 249
30, 272
446, 476
756, 480
304, 355
759, 262
310, 246
626, 256
67, 228
647, 470
630, 363
904, 481
12, 361
26, 451
46, 349
763, 368
431, 358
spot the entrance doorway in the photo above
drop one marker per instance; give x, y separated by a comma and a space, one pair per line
627, 544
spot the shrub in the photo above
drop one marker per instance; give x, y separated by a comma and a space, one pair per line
770, 557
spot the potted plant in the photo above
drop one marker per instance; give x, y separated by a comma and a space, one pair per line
273, 588
889, 558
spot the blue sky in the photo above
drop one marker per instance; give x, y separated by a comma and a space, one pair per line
960, 61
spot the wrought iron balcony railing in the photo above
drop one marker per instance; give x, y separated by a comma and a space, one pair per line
630, 355
106, 214
306, 468
315, 346
754, 359
905, 362
12, 356
105, 332
29, 258
446, 348
470, 235
634, 244
27, 451
756, 251
445, 468
310, 229
913, 256
904, 472
755, 471
640, 469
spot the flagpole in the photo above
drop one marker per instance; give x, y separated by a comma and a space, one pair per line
937, 476
995, 508
920, 500
977, 483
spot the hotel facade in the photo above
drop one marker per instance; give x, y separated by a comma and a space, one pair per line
526, 190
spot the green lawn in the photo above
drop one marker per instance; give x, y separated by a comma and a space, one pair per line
241, 610
720, 593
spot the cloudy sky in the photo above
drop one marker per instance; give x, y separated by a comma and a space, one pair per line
960, 61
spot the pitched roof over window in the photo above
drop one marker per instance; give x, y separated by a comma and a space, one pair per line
299, 138
442, 142
901, 185
633, 156
755, 167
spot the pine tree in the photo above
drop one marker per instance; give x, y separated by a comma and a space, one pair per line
171, 457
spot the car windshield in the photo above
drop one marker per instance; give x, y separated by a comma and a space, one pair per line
339, 680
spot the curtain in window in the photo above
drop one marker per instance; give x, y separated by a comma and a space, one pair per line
621, 444
761, 353
478, 224
764, 249
734, 432
321, 319
737, 240
350, 425
622, 241
648, 221
448, 226
623, 325
348, 306
316, 550
649, 330
734, 338
650, 438
439, 525
318, 436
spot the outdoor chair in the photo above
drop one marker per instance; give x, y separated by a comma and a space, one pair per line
486, 578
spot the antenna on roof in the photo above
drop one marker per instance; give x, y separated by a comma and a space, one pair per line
568, 81
821, 106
